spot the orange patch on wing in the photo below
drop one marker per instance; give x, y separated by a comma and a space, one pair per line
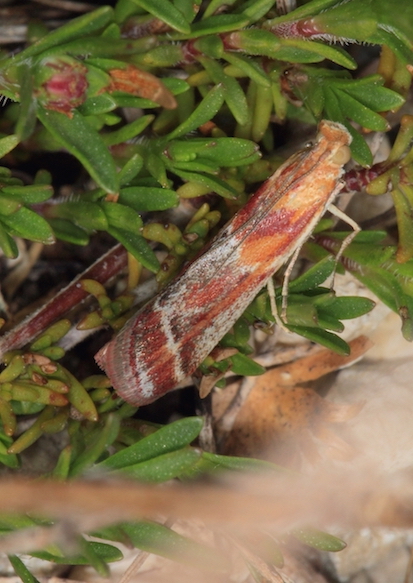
260, 255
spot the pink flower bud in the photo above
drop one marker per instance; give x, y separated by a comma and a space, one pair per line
62, 84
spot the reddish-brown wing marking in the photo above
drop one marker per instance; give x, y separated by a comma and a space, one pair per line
172, 334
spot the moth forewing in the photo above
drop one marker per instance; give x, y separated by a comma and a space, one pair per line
173, 333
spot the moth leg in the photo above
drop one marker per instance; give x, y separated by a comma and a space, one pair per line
346, 242
281, 319
286, 282
273, 304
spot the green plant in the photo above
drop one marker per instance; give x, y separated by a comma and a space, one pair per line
208, 84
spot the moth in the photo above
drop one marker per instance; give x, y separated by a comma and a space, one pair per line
172, 334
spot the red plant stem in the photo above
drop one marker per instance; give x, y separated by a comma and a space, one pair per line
357, 179
107, 266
